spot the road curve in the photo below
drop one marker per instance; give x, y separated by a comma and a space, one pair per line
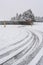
24, 50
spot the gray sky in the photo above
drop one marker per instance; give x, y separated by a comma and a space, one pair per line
9, 8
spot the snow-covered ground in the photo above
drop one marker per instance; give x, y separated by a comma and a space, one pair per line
10, 34
21, 40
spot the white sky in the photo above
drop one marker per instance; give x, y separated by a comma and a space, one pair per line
9, 8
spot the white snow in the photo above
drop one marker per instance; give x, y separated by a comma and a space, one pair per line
14, 33
37, 58
10, 34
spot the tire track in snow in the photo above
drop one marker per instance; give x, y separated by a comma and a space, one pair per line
27, 53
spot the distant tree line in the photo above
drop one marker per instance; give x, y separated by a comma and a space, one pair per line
26, 18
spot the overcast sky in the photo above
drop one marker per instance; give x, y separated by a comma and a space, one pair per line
9, 8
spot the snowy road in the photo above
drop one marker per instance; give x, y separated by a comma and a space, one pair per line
20, 44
